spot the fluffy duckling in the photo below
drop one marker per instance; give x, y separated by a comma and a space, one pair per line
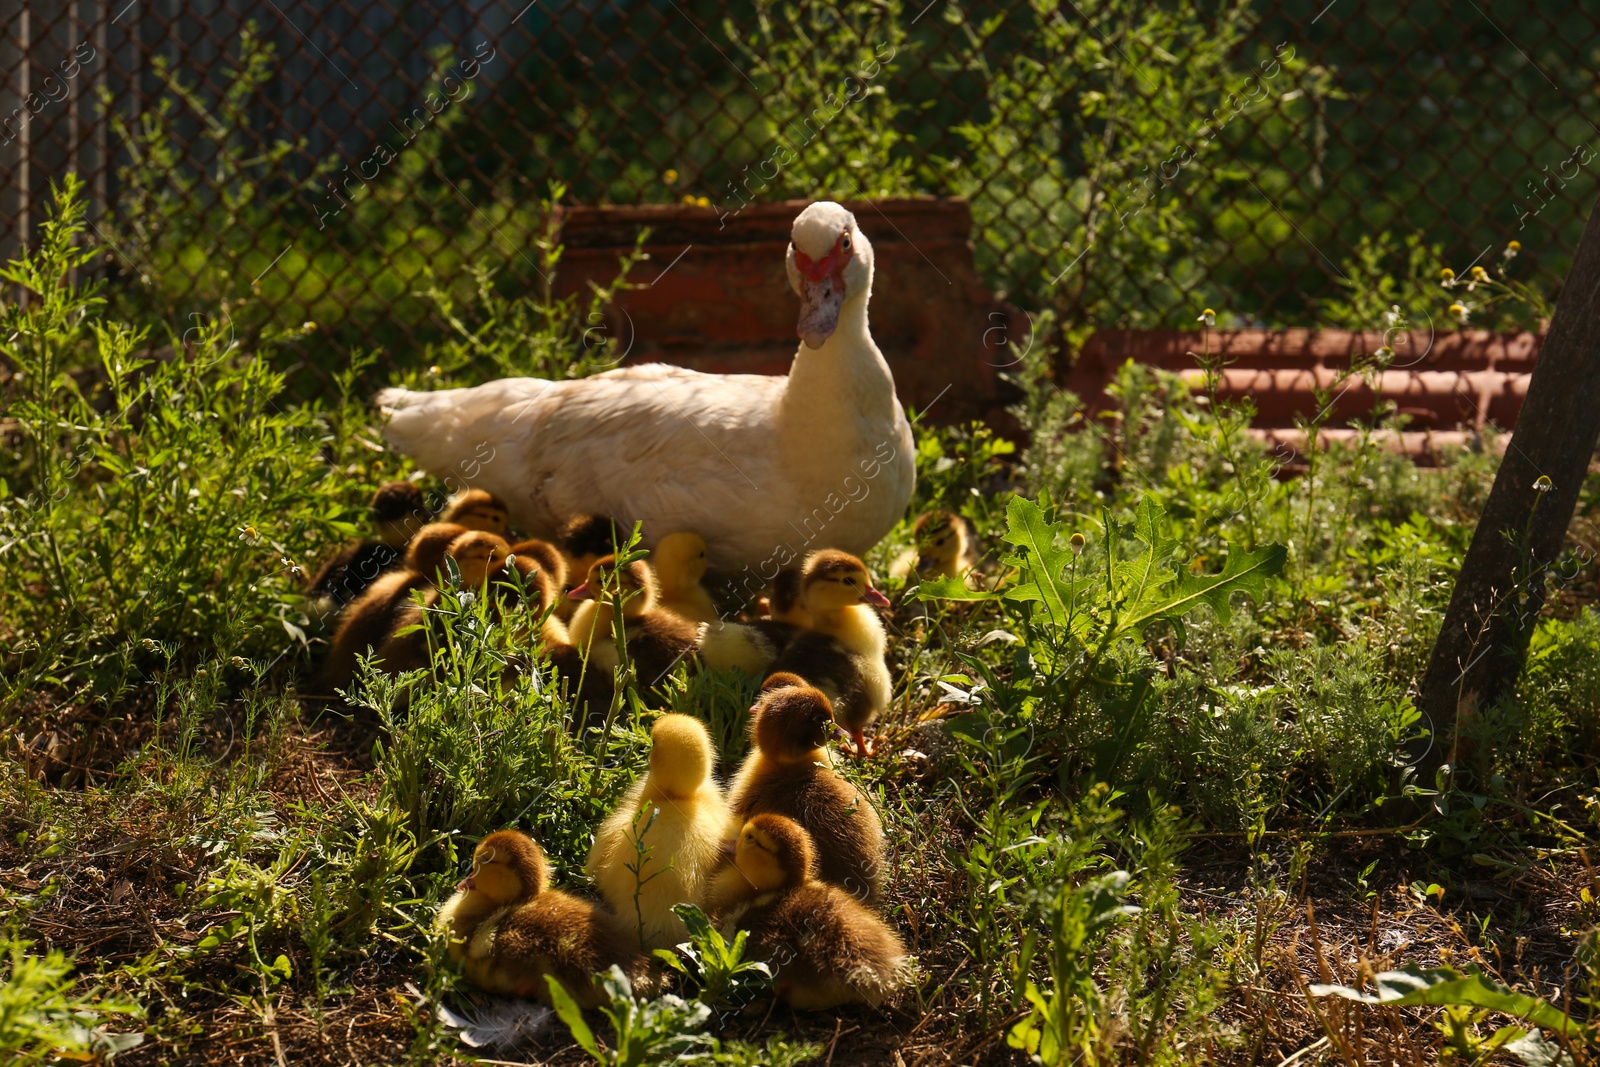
582, 541
843, 652
479, 557
677, 812
477, 510
679, 560
547, 558
369, 619
825, 947
784, 604
788, 773
509, 929
657, 640
944, 548
397, 512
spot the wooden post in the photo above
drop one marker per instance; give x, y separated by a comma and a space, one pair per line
1495, 606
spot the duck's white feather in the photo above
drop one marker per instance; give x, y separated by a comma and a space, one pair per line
764, 468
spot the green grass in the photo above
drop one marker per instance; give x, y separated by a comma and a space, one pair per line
1133, 793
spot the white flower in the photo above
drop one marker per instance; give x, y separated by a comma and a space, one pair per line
1208, 317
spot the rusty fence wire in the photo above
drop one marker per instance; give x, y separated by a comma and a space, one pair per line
337, 161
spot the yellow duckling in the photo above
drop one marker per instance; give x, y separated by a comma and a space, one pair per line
509, 929
788, 772
944, 548
477, 509
659, 846
843, 652
825, 947
657, 641
679, 561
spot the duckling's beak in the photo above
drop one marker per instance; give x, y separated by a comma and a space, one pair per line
924, 562
877, 599
580, 593
466, 885
728, 849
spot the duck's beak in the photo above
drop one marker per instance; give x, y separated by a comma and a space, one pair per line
877, 599
820, 299
580, 593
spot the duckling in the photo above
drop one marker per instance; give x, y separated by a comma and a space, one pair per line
825, 947
783, 680
679, 560
548, 558
843, 652
944, 548
788, 772
397, 513
478, 557
784, 604
677, 812
582, 541
477, 510
509, 929
370, 618
656, 640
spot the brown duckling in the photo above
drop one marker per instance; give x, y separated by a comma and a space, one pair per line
784, 605
944, 548
677, 812
825, 947
679, 562
843, 652
397, 512
788, 772
509, 929
369, 619
479, 558
477, 509
582, 541
657, 640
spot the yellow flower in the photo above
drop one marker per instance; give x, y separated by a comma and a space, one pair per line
688, 199
1077, 541
1511, 250
1208, 317
1515, 246
704, 201
308, 326
1460, 312
1447, 275
1543, 484
670, 177
1479, 274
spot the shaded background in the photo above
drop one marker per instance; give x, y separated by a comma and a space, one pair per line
1393, 138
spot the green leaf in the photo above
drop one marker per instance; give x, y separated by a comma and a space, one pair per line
572, 1015
950, 589
1245, 572
1441, 986
1029, 529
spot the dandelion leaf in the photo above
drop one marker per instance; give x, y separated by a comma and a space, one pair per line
1441, 986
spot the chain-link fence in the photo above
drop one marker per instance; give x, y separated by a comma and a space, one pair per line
1126, 163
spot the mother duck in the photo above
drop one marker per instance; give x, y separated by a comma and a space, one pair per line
764, 468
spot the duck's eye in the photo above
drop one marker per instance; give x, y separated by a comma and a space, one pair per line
844, 242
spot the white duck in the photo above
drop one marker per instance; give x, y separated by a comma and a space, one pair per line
765, 468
